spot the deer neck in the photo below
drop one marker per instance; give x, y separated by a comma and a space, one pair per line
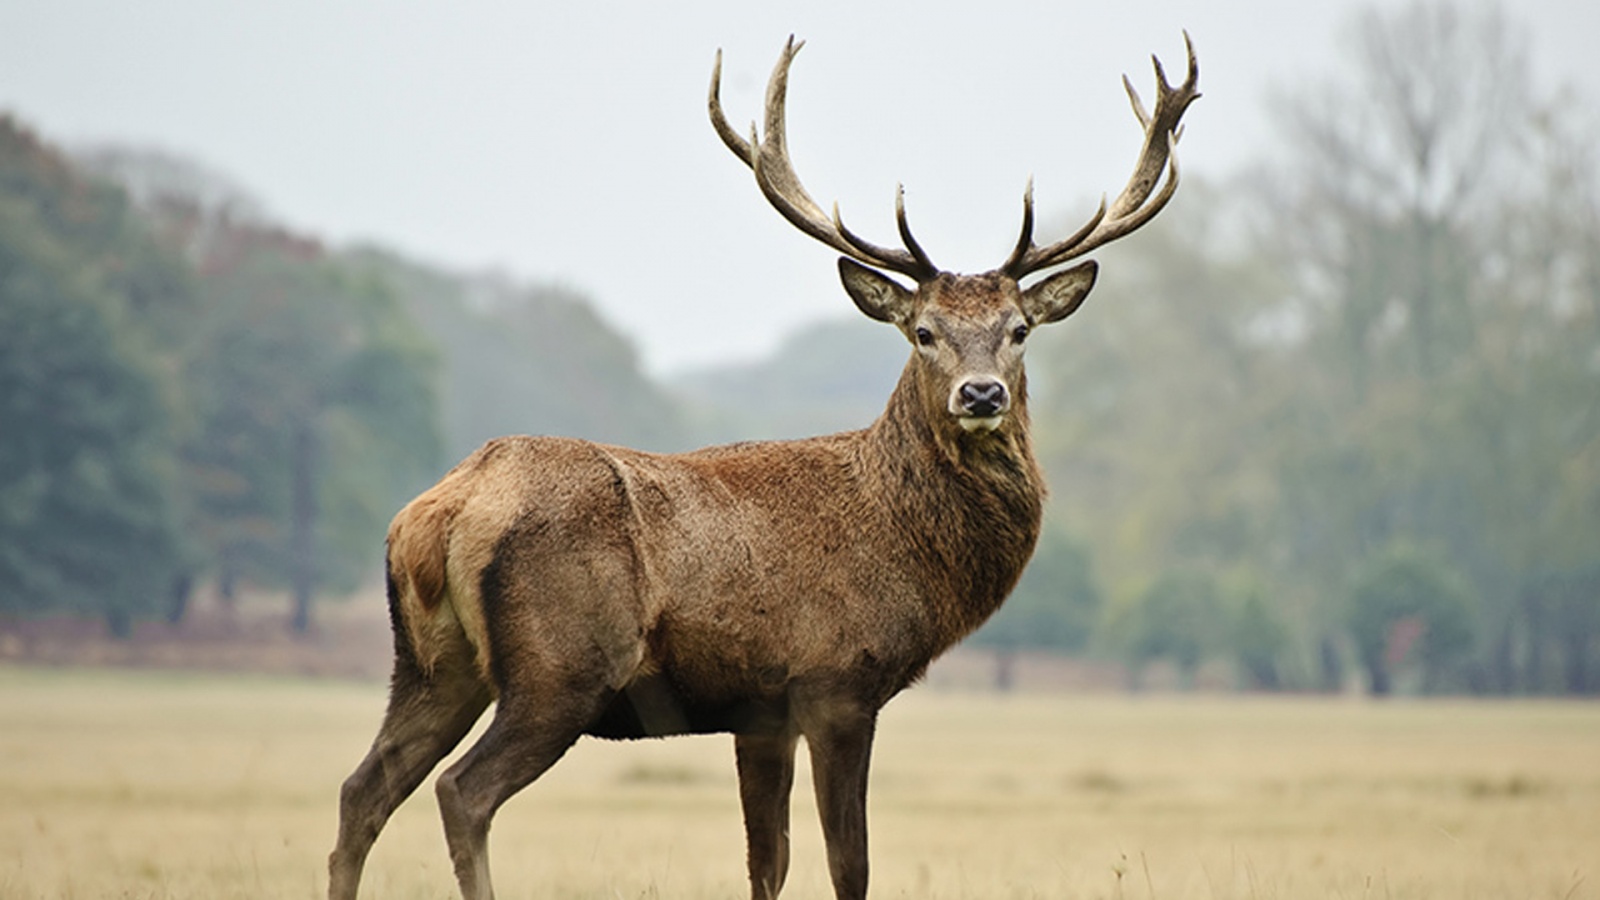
968, 504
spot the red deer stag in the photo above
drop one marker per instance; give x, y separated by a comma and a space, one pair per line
772, 590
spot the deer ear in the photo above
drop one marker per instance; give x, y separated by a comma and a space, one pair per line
875, 293
1060, 295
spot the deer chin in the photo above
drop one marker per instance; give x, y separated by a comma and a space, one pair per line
972, 424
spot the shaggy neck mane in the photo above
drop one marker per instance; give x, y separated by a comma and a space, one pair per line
968, 504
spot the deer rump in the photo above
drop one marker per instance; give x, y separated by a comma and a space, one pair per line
666, 580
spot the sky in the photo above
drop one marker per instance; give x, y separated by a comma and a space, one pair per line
569, 143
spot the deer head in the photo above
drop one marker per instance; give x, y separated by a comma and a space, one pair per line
968, 331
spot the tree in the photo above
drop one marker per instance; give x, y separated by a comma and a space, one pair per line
1178, 618
1258, 638
1408, 608
319, 412
88, 521
312, 394
1055, 606
1435, 219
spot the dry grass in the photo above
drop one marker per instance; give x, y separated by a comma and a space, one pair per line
165, 786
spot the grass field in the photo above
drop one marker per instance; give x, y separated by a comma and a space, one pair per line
136, 785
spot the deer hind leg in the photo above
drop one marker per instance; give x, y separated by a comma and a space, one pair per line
766, 775
527, 736
428, 715
840, 743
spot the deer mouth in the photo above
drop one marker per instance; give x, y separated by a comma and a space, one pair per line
973, 424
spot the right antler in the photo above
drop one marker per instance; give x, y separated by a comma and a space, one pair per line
769, 159
1130, 211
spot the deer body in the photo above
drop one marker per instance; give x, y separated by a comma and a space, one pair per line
772, 590
705, 589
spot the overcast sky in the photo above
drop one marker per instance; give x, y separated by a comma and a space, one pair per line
571, 143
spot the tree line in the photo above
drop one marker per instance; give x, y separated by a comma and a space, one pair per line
191, 393
1341, 421
1337, 422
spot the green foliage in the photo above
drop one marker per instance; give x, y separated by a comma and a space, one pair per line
188, 393
1409, 608
88, 521
318, 411
1055, 606
193, 392
1443, 251
1393, 343
1178, 618
1259, 638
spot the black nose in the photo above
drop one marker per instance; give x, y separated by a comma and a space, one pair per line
982, 399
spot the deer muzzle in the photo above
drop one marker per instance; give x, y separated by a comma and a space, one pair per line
979, 404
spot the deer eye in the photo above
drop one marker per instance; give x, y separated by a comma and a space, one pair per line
924, 337
1019, 334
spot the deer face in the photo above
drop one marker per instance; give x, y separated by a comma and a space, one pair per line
968, 331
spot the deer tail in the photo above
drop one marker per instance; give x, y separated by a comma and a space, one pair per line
427, 627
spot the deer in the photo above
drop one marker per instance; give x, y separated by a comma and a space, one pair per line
772, 590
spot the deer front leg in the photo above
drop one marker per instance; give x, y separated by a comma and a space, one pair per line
766, 775
841, 747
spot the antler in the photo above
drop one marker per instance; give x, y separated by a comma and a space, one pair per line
1130, 210
769, 159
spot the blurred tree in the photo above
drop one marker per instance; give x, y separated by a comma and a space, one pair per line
1179, 618
1154, 420
1055, 606
311, 392
1407, 607
88, 520
1258, 638
319, 413
1436, 221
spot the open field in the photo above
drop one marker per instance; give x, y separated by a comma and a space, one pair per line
135, 785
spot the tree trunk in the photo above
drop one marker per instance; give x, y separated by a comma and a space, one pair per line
303, 523
178, 600
120, 623
1378, 680
1005, 668
1576, 626
1503, 664
1575, 666
1330, 668
1533, 610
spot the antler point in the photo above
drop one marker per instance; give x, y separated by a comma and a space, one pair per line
1161, 73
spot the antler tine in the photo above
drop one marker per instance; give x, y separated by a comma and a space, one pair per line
904, 228
1025, 239
1025, 257
768, 158
739, 146
1138, 104
1134, 206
